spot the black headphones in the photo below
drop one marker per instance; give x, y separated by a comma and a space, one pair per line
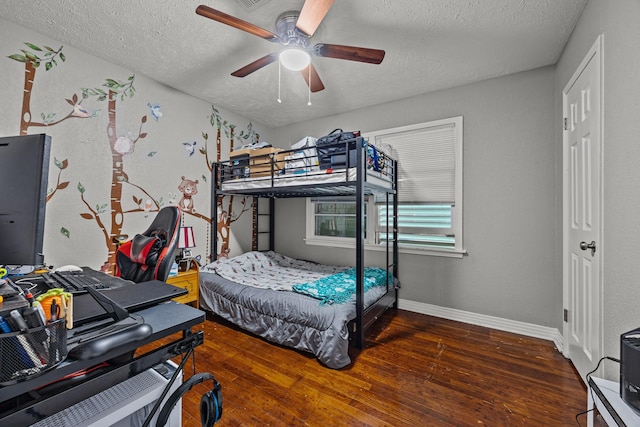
210, 403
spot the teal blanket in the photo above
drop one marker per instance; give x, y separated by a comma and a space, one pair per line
338, 288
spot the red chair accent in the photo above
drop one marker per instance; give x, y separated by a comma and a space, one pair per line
149, 255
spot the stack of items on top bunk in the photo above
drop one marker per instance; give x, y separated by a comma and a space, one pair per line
329, 159
295, 303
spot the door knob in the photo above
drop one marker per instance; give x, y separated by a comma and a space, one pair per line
584, 246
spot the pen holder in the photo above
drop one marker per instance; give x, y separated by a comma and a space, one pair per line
30, 353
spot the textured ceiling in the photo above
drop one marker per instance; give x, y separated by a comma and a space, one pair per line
430, 45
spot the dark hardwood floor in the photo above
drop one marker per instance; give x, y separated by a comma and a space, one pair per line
417, 370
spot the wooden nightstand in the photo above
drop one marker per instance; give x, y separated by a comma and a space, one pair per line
189, 280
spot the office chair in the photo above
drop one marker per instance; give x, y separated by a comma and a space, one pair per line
149, 255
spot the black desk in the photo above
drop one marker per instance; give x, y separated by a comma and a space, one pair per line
30, 401
131, 296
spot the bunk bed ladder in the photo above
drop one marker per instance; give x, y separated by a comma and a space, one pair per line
258, 225
365, 318
215, 182
392, 244
395, 229
360, 212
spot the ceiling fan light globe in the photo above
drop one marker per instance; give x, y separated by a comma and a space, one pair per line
295, 59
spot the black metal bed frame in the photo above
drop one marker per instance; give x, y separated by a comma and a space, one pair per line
358, 187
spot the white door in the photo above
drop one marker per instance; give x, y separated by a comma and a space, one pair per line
582, 213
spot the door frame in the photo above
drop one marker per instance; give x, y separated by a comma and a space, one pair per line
595, 53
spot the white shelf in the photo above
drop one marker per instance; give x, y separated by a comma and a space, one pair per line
611, 406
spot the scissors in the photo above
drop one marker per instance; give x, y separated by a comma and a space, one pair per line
3, 272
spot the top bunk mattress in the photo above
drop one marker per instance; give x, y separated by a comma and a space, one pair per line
332, 169
348, 176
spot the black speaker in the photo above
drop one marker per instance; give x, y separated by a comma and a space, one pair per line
210, 403
630, 368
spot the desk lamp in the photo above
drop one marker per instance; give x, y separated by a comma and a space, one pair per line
186, 241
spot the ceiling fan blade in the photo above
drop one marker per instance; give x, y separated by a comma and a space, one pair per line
350, 53
255, 65
312, 14
234, 22
313, 80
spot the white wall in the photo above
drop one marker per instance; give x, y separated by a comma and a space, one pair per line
618, 21
513, 269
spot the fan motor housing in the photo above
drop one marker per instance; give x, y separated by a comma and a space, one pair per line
287, 31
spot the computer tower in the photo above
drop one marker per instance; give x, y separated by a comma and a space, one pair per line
630, 368
126, 404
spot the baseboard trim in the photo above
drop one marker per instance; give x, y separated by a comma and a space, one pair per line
516, 327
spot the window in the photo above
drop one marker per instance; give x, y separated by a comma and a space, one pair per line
335, 218
429, 194
420, 225
332, 220
429, 183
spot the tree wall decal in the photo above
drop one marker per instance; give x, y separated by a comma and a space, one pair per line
227, 216
109, 217
32, 60
120, 146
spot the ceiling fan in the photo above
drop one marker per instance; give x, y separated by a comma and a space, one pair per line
293, 31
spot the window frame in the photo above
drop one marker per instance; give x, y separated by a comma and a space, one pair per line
343, 242
372, 211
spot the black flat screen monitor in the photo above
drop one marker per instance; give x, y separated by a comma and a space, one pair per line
24, 172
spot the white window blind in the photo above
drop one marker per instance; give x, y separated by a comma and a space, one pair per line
427, 170
430, 175
420, 225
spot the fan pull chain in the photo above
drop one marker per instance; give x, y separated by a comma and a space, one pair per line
279, 78
309, 85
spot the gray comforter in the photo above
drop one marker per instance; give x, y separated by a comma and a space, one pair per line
285, 317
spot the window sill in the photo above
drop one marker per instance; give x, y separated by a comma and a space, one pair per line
377, 248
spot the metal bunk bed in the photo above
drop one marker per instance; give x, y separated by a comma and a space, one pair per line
357, 180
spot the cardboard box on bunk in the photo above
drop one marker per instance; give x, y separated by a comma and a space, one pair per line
259, 160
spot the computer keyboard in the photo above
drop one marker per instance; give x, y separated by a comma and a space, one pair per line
72, 281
